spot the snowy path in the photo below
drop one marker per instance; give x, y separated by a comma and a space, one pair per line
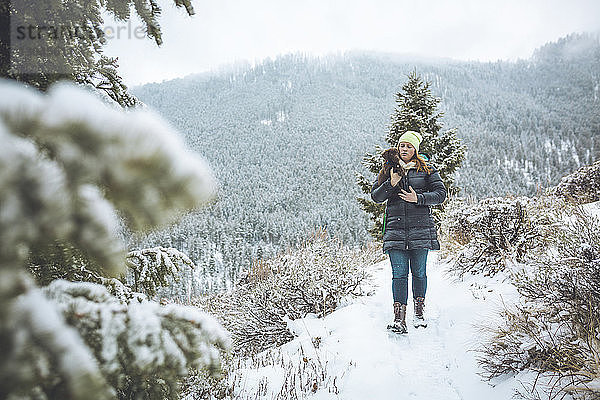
431, 363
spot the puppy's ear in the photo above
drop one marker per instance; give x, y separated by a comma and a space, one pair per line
382, 176
388, 154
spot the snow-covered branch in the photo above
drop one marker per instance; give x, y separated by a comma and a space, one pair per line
68, 165
78, 161
151, 268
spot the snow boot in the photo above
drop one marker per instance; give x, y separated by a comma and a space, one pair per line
399, 324
419, 319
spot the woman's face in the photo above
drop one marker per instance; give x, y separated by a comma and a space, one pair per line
407, 151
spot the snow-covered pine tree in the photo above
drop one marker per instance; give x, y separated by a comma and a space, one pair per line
68, 164
64, 41
416, 110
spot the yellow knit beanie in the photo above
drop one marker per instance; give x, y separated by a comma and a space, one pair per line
413, 138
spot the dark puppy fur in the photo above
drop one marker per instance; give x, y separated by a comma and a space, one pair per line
391, 159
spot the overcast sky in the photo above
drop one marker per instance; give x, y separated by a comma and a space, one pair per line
226, 31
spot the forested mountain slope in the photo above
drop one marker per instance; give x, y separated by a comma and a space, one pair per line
285, 137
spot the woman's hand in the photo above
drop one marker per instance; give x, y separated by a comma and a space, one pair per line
394, 177
411, 196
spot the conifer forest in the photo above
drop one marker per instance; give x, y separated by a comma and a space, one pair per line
286, 138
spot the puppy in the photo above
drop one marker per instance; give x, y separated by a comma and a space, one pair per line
391, 159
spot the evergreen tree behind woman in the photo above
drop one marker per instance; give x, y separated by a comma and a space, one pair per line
416, 110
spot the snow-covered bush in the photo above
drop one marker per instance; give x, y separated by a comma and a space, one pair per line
147, 269
482, 237
556, 330
582, 186
142, 348
68, 165
151, 268
313, 278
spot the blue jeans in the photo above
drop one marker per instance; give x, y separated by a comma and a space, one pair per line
401, 260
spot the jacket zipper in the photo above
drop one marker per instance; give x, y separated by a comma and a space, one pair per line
406, 214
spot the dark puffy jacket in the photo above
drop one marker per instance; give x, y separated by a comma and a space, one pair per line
410, 225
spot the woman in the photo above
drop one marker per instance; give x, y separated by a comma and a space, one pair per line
409, 229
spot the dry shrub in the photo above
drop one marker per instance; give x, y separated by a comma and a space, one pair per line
310, 279
483, 237
556, 330
302, 374
580, 187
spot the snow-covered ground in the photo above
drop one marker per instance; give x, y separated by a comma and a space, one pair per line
357, 358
